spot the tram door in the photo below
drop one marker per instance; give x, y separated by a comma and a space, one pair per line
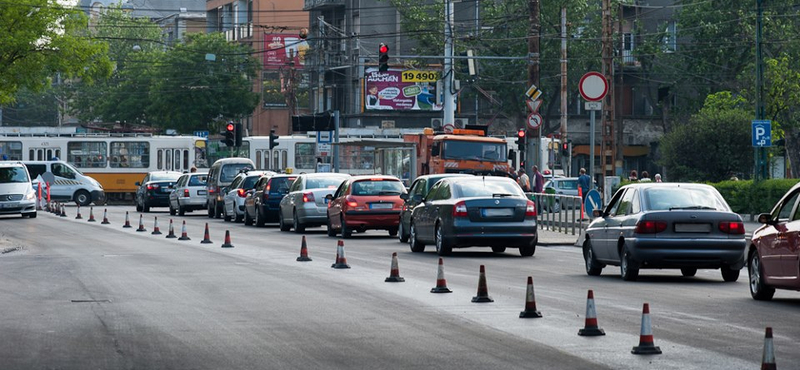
43, 153
173, 159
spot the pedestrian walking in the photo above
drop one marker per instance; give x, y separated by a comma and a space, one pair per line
523, 180
585, 182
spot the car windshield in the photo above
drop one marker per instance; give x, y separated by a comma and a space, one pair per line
662, 199
378, 187
13, 174
250, 182
478, 188
229, 171
198, 180
323, 182
163, 176
473, 150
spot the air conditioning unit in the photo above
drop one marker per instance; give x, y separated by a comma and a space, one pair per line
461, 122
436, 123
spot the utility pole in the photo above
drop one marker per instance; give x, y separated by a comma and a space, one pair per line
607, 160
532, 158
760, 169
449, 109
568, 164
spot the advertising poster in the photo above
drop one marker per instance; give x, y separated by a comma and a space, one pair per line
399, 90
278, 48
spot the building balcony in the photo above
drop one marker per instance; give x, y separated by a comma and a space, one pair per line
321, 4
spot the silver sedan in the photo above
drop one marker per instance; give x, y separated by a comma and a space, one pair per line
306, 204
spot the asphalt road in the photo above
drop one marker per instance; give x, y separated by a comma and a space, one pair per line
79, 295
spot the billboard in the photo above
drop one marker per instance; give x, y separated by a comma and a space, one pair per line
280, 49
401, 90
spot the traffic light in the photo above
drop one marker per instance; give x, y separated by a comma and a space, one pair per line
238, 134
565, 149
521, 141
273, 139
229, 135
383, 59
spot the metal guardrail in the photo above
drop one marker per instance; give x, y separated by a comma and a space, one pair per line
558, 212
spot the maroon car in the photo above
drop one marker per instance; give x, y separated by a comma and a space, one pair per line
774, 254
365, 202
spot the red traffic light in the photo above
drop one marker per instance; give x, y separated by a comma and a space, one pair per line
521, 133
565, 146
383, 48
230, 127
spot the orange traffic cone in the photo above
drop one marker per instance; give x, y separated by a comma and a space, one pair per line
441, 283
646, 345
483, 291
303, 251
341, 261
141, 224
127, 221
78, 216
590, 329
394, 273
63, 211
105, 217
171, 231
206, 237
183, 232
227, 243
530, 302
768, 356
156, 231
91, 215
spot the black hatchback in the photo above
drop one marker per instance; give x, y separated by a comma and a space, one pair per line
264, 202
154, 190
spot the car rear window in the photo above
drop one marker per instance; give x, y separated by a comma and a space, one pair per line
478, 188
229, 171
662, 199
322, 183
13, 174
378, 187
164, 176
198, 180
250, 182
280, 185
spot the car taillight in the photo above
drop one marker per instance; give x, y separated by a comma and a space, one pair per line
735, 228
308, 197
650, 227
185, 193
212, 189
460, 209
241, 193
530, 209
152, 186
351, 202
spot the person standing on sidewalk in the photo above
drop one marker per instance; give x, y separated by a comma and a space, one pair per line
585, 182
524, 181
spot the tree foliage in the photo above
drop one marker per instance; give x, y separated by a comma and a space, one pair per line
714, 144
42, 38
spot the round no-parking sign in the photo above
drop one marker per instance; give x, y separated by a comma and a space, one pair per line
534, 120
593, 86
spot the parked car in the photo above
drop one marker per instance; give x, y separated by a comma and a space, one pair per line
307, 202
154, 189
365, 202
263, 203
461, 212
561, 186
666, 226
236, 192
220, 175
189, 193
774, 254
420, 186
17, 195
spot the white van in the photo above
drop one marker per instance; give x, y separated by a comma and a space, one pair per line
221, 174
66, 182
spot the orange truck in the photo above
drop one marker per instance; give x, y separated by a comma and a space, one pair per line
463, 151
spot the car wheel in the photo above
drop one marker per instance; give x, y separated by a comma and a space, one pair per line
83, 198
346, 233
402, 233
225, 215
298, 227
443, 248
238, 218
528, 251
729, 275
283, 225
172, 211
145, 207
138, 206
331, 230
32, 215
626, 267
758, 288
181, 210
259, 218
218, 209
688, 272
593, 267
413, 240
498, 249
247, 219
393, 232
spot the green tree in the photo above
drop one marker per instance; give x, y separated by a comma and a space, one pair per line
713, 144
783, 99
42, 38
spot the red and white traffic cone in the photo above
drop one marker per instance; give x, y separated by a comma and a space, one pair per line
483, 290
156, 230
171, 231
127, 223
341, 260
768, 356
530, 302
441, 283
63, 210
78, 216
394, 273
141, 223
227, 243
590, 329
303, 251
646, 345
183, 232
91, 214
206, 237
105, 217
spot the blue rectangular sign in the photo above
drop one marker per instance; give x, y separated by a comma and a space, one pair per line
762, 133
201, 134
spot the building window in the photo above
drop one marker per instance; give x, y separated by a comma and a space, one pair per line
670, 37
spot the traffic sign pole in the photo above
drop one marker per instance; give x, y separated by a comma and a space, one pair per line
593, 88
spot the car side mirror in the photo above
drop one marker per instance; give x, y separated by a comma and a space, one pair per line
417, 198
597, 213
137, 183
765, 218
404, 196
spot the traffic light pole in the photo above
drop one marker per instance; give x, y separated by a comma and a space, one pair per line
448, 110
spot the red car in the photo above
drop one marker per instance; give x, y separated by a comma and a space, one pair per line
365, 202
774, 255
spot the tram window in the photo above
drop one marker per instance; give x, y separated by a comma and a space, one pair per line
177, 159
168, 160
86, 154
267, 159
284, 159
11, 150
49, 154
258, 159
134, 154
39, 156
275, 161
160, 161
185, 159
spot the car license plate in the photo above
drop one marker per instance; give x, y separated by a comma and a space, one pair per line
201, 192
381, 205
497, 212
692, 228
9, 205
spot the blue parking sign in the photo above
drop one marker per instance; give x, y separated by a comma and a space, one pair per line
762, 133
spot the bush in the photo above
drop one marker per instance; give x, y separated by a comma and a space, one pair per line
746, 198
